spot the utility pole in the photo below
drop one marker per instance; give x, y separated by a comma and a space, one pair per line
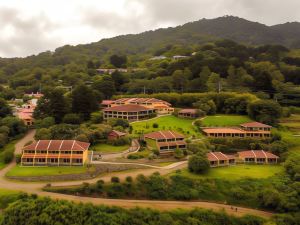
144, 90
219, 86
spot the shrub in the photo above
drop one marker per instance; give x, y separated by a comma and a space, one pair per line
8, 156
198, 164
18, 158
72, 118
115, 180
155, 125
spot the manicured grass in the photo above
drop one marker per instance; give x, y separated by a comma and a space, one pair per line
106, 148
237, 172
225, 120
181, 125
46, 171
4, 192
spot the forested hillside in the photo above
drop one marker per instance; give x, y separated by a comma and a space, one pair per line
212, 63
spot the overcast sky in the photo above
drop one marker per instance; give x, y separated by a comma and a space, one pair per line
31, 26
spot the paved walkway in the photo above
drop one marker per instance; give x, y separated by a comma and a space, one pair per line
36, 188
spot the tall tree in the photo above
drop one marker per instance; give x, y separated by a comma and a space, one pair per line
4, 108
118, 60
84, 101
106, 86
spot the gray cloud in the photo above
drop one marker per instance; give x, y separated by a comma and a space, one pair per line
81, 23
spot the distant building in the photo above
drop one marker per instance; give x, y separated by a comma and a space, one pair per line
26, 115
165, 141
55, 153
246, 130
114, 134
129, 112
35, 95
161, 57
188, 113
159, 106
257, 156
219, 159
176, 57
121, 70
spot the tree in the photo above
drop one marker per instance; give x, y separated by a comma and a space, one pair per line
214, 82
43, 134
179, 80
96, 117
118, 79
53, 104
198, 163
178, 153
84, 101
45, 123
265, 111
106, 86
15, 125
72, 118
118, 60
4, 108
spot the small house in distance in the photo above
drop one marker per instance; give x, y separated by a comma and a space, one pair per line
188, 113
114, 134
55, 153
165, 141
219, 159
258, 156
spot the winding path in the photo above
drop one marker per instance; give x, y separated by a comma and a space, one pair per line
36, 188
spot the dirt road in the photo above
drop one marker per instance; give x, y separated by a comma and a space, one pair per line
36, 188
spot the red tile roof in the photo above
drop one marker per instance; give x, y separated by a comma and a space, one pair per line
127, 108
255, 124
215, 156
118, 133
164, 134
223, 130
256, 154
58, 145
107, 102
192, 111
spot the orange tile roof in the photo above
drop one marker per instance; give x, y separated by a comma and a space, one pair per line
192, 111
215, 156
256, 154
255, 124
59, 145
223, 130
164, 134
127, 108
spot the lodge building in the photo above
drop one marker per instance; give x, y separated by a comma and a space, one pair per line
188, 113
250, 130
55, 153
165, 141
219, 159
128, 112
257, 156
159, 106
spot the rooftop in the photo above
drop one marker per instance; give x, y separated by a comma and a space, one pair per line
215, 156
255, 124
127, 108
59, 145
256, 154
165, 134
193, 111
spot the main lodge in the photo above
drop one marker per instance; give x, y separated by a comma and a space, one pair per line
251, 130
55, 153
135, 108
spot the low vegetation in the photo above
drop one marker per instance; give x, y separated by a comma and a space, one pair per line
46, 211
224, 120
47, 171
107, 148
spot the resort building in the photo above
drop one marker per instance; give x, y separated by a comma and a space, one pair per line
188, 113
26, 115
160, 106
114, 134
128, 112
257, 156
246, 130
165, 141
55, 153
219, 159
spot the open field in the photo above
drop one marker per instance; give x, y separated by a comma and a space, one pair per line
46, 171
237, 172
225, 120
106, 148
181, 125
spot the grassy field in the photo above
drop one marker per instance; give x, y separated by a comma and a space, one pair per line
292, 122
225, 120
237, 172
46, 171
183, 126
106, 148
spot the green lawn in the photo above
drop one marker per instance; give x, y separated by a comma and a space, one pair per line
106, 148
225, 120
46, 171
181, 125
237, 172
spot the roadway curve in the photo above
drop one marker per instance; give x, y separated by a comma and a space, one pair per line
36, 188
